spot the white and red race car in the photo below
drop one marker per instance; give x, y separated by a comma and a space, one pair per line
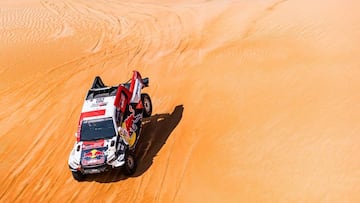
109, 127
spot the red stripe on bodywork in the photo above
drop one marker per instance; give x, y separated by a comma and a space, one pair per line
94, 144
92, 113
86, 115
128, 92
134, 77
140, 105
118, 102
117, 97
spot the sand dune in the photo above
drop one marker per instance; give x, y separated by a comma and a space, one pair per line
253, 100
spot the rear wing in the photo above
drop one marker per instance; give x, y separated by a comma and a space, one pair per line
146, 82
130, 92
99, 89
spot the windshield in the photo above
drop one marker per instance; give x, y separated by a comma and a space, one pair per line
97, 129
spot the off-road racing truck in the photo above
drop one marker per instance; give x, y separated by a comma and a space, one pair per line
109, 127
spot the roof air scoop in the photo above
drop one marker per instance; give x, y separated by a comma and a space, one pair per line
98, 83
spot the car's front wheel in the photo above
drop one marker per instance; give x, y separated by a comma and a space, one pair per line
130, 164
78, 175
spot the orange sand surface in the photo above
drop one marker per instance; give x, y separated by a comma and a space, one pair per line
255, 101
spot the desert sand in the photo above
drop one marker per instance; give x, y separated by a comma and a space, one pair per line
255, 101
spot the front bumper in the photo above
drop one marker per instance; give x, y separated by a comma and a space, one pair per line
94, 170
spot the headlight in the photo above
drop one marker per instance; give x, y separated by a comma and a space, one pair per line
73, 163
74, 158
110, 156
111, 150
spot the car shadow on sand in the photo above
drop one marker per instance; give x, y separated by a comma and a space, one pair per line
155, 131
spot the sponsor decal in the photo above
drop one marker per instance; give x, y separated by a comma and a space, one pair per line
93, 153
132, 120
93, 157
101, 102
130, 127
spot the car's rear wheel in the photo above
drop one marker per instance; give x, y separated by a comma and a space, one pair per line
145, 99
130, 164
78, 175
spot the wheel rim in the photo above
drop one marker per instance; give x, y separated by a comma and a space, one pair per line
147, 105
130, 162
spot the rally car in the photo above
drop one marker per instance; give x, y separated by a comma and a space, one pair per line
109, 127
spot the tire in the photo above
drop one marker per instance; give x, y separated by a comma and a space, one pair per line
145, 99
130, 164
78, 175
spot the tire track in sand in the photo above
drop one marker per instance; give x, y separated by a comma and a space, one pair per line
18, 183
252, 26
27, 25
